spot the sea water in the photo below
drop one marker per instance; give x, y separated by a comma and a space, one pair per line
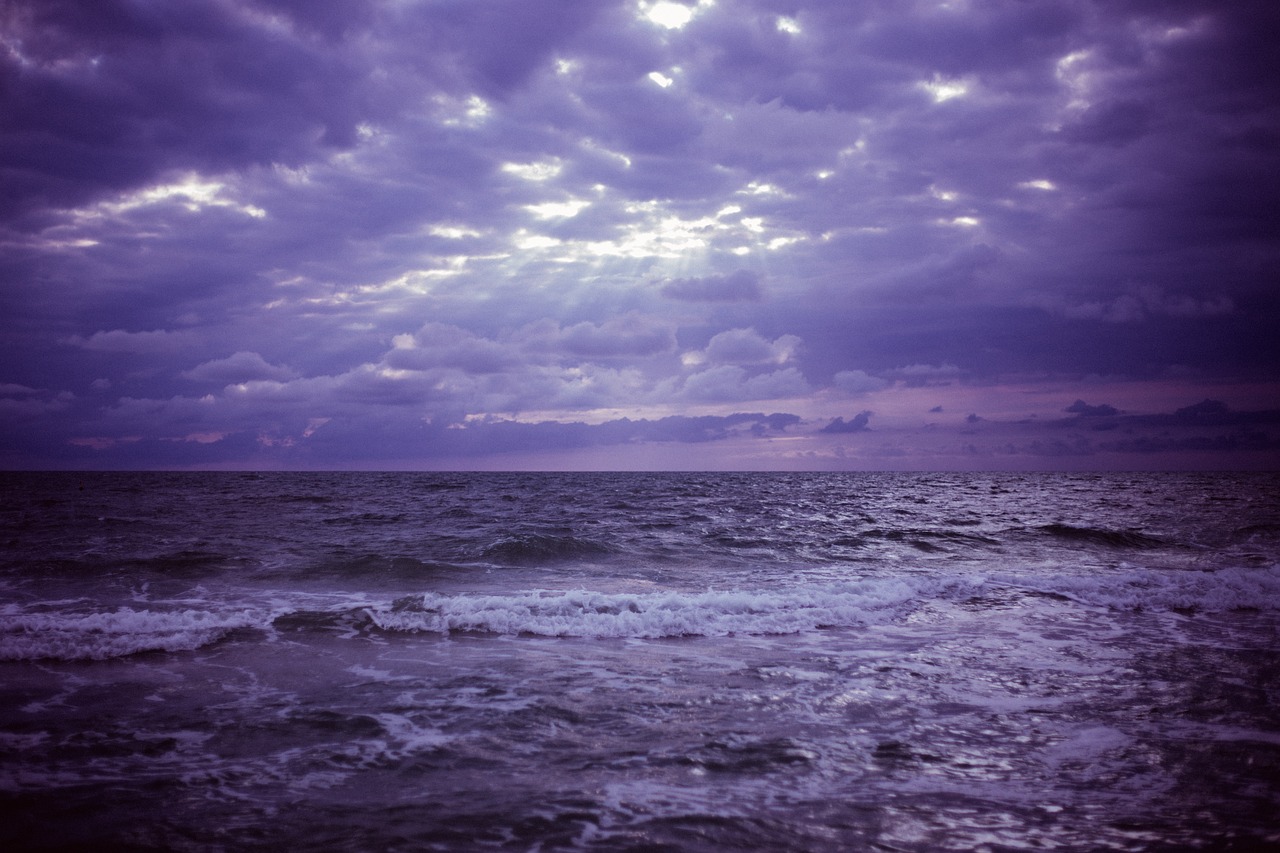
601, 662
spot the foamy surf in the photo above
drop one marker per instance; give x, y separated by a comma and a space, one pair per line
583, 613
116, 633
50, 634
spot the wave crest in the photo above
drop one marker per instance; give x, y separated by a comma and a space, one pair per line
99, 636
582, 613
537, 548
1103, 536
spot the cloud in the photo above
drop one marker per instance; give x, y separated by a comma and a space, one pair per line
731, 383
1084, 410
858, 382
238, 367
746, 346
439, 345
920, 375
631, 335
699, 429
21, 402
739, 286
1204, 410
858, 423
118, 340
10, 389
1151, 301
229, 90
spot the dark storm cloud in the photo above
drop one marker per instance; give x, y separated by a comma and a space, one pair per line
106, 96
858, 423
1208, 427
1084, 410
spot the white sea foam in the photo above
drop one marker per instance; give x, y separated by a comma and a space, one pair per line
583, 613
102, 635
77, 635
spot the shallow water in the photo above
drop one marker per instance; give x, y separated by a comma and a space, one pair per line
640, 662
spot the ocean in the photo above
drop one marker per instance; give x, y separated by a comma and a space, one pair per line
639, 662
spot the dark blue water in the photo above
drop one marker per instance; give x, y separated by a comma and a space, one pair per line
648, 662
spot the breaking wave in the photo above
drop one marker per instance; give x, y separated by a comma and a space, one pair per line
76, 635
99, 636
582, 613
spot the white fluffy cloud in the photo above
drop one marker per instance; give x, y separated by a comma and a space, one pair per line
747, 346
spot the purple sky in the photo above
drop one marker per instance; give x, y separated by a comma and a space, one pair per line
565, 234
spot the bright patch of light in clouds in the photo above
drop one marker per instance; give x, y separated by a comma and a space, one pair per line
594, 147
453, 232
523, 239
192, 191
941, 89
557, 209
672, 16
760, 188
543, 171
1073, 72
469, 112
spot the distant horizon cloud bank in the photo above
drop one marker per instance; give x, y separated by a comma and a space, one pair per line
1206, 435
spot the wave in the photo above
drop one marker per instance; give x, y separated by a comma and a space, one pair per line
583, 613
371, 565
524, 549
363, 519
922, 539
1258, 532
104, 635
1135, 589
1103, 536
74, 635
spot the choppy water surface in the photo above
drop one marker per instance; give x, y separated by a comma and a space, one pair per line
639, 661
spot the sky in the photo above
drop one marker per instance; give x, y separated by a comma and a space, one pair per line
639, 234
